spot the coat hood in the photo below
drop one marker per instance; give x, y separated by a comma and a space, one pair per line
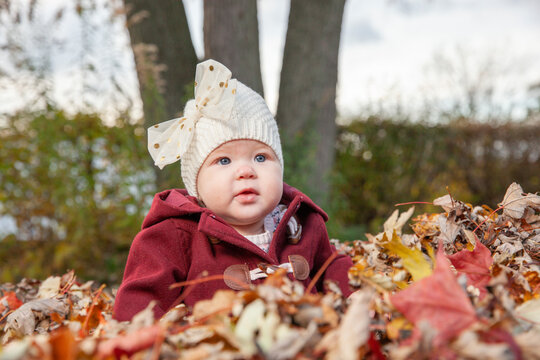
177, 203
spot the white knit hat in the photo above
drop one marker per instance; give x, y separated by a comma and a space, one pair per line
223, 110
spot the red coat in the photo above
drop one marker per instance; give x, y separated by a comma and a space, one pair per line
180, 241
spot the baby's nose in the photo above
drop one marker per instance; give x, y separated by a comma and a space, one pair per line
245, 172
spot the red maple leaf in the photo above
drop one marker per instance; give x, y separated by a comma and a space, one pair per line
438, 300
9, 301
475, 265
131, 343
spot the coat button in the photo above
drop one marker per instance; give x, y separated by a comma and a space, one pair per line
300, 266
237, 277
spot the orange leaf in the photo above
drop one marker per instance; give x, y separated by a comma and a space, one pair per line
9, 301
63, 344
437, 300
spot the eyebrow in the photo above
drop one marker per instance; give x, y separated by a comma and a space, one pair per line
261, 148
216, 156
266, 149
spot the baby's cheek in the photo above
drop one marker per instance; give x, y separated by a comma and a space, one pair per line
277, 187
215, 197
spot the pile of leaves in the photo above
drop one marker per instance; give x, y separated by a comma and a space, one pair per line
464, 284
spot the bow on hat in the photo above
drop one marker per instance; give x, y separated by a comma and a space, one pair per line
214, 98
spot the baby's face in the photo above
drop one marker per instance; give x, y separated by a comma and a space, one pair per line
241, 182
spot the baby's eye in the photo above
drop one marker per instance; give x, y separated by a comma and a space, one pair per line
260, 158
224, 161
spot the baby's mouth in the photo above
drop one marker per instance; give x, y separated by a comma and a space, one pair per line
246, 195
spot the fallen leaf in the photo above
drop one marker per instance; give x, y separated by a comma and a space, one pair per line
395, 223
438, 300
515, 201
193, 336
222, 300
528, 343
307, 313
469, 346
63, 344
292, 341
413, 259
449, 230
475, 265
268, 328
206, 351
344, 341
49, 287
354, 327
500, 336
533, 278
394, 327
23, 321
248, 324
446, 202
471, 239
130, 343
529, 311
9, 301
16, 349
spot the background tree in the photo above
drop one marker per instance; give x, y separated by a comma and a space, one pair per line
165, 61
463, 83
306, 111
231, 36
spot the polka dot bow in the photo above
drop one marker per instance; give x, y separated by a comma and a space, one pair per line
214, 98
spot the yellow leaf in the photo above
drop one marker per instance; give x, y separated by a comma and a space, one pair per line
401, 284
413, 259
395, 326
431, 252
471, 239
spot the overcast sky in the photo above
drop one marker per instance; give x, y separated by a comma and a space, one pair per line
387, 54
388, 47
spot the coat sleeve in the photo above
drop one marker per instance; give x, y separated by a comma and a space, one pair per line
156, 260
338, 269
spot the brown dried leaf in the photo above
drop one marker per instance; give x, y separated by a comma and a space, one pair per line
222, 300
515, 201
395, 223
529, 311
446, 202
469, 346
23, 321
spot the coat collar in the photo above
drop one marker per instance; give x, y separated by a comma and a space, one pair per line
292, 195
176, 203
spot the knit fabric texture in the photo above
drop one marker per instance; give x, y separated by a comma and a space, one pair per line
261, 240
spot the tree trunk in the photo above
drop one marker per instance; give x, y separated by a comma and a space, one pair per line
231, 36
165, 61
307, 94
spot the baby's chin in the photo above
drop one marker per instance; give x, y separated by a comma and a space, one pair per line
249, 229
246, 218
246, 221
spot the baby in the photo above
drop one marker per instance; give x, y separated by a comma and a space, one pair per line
236, 218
